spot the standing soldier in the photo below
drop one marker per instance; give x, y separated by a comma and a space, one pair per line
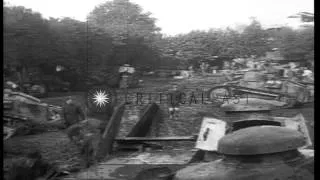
190, 71
72, 113
84, 134
174, 101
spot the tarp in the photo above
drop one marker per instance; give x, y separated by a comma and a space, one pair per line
185, 74
127, 69
240, 61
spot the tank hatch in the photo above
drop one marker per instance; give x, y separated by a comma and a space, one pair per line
241, 124
260, 140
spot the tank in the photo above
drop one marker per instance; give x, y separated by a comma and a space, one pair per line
255, 85
259, 152
22, 111
253, 79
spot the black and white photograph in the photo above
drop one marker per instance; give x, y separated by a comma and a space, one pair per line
158, 89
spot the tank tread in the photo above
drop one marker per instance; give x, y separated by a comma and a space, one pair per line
14, 117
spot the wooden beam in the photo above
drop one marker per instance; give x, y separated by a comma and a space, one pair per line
142, 127
110, 132
175, 138
258, 92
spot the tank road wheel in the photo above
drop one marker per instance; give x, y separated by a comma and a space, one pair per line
219, 93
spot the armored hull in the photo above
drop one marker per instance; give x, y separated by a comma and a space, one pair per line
271, 167
255, 85
22, 112
260, 152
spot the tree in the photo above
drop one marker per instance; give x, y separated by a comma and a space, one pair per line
294, 44
31, 41
197, 46
254, 39
189, 49
133, 31
123, 19
25, 35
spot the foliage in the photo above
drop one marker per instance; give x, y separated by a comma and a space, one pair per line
133, 31
24, 30
255, 38
199, 46
123, 20
119, 32
32, 41
294, 44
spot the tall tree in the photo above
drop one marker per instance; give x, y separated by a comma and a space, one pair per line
255, 39
122, 19
25, 36
294, 44
131, 29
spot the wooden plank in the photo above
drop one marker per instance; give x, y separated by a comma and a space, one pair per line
251, 90
110, 132
34, 99
258, 92
143, 125
175, 138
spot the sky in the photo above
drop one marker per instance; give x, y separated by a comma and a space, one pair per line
182, 16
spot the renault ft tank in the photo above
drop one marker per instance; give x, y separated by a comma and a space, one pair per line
259, 152
21, 112
255, 85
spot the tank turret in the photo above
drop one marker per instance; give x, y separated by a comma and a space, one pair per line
258, 152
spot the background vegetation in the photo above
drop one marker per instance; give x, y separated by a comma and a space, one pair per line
118, 32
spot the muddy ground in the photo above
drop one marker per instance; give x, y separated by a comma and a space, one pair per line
55, 146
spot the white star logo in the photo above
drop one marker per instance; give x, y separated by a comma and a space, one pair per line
101, 98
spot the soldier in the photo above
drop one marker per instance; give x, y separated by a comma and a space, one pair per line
307, 75
190, 71
86, 138
72, 113
174, 101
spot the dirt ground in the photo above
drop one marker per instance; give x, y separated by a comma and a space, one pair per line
157, 84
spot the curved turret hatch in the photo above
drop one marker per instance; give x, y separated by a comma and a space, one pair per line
260, 140
259, 152
246, 123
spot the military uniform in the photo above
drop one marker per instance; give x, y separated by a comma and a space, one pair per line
72, 114
174, 100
